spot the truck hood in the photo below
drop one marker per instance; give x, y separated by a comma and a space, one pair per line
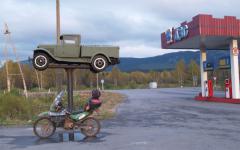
46, 46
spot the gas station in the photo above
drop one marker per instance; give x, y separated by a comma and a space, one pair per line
206, 33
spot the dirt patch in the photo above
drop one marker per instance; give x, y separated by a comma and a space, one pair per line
110, 102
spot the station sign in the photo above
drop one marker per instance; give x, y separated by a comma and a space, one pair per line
208, 66
235, 51
102, 81
174, 35
224, 63
214, 78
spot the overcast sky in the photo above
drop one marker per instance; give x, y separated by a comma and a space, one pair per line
134, 25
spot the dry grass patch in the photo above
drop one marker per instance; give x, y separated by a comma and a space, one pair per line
16, 110
110, 102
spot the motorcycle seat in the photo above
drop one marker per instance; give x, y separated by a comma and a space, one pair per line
77, 112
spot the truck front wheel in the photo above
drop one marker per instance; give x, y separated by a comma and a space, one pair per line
40, 61
99, 63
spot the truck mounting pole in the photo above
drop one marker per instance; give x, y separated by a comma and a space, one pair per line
58, 30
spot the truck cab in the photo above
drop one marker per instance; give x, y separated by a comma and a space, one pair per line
69, 48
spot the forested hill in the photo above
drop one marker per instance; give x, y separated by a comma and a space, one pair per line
163, 62
167, 61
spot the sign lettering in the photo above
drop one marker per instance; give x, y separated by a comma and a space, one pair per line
178, 34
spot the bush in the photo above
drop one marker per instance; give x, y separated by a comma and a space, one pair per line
15, 109
13, 106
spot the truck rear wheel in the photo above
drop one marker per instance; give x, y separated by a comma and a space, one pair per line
99, 63
40, 61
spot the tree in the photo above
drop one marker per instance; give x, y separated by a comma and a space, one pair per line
115, 75
153, 76
194, 69
180, 69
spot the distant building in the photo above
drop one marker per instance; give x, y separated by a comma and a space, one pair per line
153, 85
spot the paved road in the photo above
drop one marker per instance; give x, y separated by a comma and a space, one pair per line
161, 119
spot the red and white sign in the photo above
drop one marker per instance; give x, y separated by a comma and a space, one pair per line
235, 51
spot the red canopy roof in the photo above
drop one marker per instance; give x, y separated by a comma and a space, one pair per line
204, 31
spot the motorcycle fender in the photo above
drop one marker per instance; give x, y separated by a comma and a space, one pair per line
43, 114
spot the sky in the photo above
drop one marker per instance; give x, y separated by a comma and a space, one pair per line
134, 25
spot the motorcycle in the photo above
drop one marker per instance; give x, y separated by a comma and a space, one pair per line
47, 122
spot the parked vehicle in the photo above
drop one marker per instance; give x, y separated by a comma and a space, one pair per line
58, 116
71, 52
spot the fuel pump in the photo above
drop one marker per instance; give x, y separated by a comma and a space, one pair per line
228, 88
210, 88
224, 63
209, 67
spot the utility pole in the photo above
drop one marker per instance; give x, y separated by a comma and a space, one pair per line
6, 61
58, 21
38, 81
58, 71
9, 41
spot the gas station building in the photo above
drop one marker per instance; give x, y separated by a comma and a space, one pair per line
207, 33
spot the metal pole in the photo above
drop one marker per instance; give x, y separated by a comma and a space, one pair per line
41, 80
234, 69
58, 71
58, 21
97, 81
203, 57
70, 89
38, 81
8, 37
6, 55
102, 86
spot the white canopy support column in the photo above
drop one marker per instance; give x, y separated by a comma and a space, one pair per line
234, 69
203, 57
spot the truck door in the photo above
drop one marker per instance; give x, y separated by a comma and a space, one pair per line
68, 51
69, 47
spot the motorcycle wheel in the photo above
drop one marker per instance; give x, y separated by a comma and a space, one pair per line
91, 127
44, 127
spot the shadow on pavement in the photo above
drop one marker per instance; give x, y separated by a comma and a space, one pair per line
25, 141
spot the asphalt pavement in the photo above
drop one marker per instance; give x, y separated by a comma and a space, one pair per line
149, 119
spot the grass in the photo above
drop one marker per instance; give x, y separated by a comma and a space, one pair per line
109, 103
108, 108
17, 110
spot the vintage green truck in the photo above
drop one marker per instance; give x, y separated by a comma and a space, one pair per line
71, 52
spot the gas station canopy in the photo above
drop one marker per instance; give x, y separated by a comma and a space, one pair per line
203, 31
207, 33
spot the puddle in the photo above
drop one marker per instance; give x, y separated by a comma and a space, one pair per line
70, 137
74, 136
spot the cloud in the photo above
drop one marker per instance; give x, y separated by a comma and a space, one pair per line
133, 25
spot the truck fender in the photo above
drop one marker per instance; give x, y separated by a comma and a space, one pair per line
102, 55
44, 51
